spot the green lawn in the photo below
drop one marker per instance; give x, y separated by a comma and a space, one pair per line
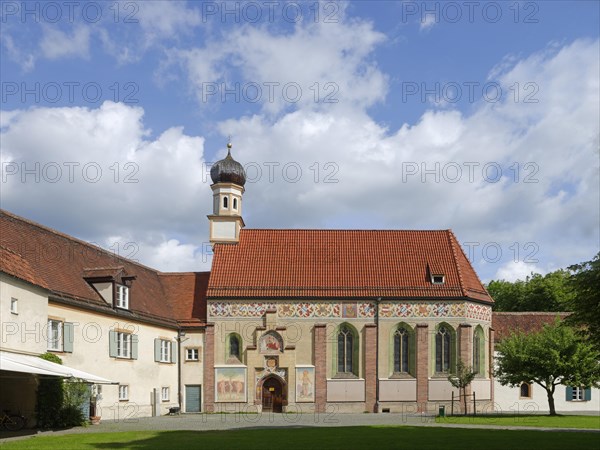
526, 420
381, 437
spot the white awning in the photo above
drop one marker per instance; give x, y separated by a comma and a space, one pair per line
15, 362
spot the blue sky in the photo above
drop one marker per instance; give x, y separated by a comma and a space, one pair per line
476, 116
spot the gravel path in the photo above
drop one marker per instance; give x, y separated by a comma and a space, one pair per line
203, 422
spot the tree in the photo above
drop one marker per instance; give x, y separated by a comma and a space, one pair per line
550, 292
461, 379
585, 282
555, 355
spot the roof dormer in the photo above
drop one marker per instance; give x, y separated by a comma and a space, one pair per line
111, 283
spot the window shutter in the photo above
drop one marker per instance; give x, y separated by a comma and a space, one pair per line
588, 394
112, 344
68, 337
173, 352
569, 393
134, 346
156, 350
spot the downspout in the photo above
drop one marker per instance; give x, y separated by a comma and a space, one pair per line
377, 354
180, 333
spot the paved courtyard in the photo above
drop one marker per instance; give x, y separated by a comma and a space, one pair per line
203, 422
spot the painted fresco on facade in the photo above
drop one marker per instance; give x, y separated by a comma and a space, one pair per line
230, 384
361, 310
305, 384
270, 342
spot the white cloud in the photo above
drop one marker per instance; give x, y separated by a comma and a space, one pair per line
59, 44
24, 59
427, 22
95, 170
519, 270
328, 62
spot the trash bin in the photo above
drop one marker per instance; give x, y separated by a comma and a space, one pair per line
442, 411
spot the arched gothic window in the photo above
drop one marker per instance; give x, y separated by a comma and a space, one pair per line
234, 347
478, 351
225, 202
443, 340
345, 350
401, 350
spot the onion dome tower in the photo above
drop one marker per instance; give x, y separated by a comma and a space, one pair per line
226, 221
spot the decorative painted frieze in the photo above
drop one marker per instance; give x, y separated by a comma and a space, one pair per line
360, 310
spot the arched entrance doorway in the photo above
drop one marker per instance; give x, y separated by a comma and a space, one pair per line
273, 394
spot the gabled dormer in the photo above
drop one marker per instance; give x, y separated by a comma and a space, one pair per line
113, 284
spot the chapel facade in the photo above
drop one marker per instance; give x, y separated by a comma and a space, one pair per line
337, 320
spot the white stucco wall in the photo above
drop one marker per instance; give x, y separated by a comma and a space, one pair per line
508, 400
24, 332
142, 375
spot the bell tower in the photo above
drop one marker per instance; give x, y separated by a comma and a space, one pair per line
226, 221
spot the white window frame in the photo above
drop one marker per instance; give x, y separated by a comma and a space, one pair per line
14, 305
165, 351
195, 355
122, 294
124, 341
55, 335
578, 394
165, 393
123, 392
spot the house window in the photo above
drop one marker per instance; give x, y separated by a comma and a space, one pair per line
525, 390
443, 340
123, 345
225, 202
235, 203
578, 394
165, 351
345, 357
122, 296
191, 354
401, 351
55, 335
123, 392
14, 305
164, 394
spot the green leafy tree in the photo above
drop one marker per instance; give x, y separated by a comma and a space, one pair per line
550, 292
461, 379
553, 356
585, 282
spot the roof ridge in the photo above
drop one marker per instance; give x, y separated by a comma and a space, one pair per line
74, 239
390, 230
456, 264
469, 262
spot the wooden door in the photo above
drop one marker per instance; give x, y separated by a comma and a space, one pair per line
272, 398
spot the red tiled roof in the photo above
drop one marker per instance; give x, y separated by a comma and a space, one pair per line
506, 323
186, 292
343, 263
59, 263
14, 264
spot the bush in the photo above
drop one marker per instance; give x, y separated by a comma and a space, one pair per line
59, 402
